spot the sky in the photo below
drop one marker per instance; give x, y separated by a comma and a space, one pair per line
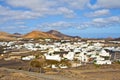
84, 18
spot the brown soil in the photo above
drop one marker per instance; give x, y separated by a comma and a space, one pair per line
8, 75
85, 72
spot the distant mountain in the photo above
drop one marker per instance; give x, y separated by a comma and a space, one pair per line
17, 34
61, 35
6, 36
53, 34
39, 34
117, 39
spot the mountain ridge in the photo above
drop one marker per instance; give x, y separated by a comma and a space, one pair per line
61, 35
36, 34
39, 34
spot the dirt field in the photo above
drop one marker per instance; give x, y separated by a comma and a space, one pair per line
6, 74
98, 74
87, 72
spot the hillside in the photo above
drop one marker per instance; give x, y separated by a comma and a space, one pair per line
6, 36
117, 39
39, 34
61, 35
53, 34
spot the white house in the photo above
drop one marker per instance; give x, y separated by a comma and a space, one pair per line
52, 57
69, 56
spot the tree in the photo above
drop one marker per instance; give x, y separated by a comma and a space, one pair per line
65, 62
1, 49
52, 62
38, 64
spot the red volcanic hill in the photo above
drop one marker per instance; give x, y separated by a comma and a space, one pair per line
61, 35
52, 34
39, 34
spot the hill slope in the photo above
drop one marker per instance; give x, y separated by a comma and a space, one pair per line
39, 34
61, 35
6, 36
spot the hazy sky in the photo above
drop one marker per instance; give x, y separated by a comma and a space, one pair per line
85, 18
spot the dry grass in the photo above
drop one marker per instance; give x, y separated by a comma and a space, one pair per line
91, 72
7, 75
85, 72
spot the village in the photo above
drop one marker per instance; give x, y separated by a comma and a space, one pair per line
78, 52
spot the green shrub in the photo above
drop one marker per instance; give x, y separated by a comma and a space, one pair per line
97, 66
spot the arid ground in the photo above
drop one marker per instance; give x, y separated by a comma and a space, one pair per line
86, 72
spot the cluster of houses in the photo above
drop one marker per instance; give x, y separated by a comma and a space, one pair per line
82, 52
